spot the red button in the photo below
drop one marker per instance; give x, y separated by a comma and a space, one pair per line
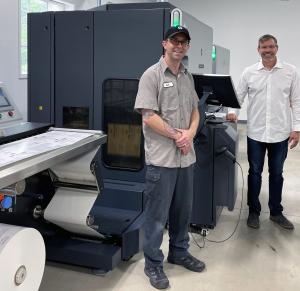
10, 113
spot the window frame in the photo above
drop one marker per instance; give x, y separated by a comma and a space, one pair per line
67, 6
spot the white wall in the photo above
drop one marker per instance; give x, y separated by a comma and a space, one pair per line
9, 54
237, 25
82, 4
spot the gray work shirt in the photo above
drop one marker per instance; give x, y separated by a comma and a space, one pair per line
173, 98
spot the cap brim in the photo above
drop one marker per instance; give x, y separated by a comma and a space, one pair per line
182, 32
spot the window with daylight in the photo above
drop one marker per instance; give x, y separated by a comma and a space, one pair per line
27, 6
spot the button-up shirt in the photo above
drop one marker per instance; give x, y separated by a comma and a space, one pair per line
173, 98
274, 101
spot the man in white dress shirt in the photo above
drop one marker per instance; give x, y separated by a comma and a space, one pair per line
273, 125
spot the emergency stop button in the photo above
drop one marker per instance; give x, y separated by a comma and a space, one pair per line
11, 113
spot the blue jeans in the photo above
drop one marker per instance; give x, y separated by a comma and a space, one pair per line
169, 197
277, 153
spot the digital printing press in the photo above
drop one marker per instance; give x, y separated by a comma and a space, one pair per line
79, 78
52, 181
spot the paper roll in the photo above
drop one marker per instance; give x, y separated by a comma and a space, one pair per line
22, 258
70, 208
77, 170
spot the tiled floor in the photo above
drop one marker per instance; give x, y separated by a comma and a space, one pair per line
260, 260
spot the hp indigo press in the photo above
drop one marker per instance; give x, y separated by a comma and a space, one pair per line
84, 66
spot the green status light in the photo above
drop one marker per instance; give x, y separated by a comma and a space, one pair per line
214, 53
176, 17
176, 20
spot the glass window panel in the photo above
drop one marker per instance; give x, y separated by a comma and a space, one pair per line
27, 6
24, 60
76, 117
124, 148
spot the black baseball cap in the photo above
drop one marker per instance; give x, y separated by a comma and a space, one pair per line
175, 30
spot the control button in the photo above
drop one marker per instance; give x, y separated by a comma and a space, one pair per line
0, 115
7, 202
11, 113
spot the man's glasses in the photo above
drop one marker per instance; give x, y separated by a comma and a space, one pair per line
177, 42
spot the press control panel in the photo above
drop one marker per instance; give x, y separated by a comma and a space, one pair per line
7, 115
8, 111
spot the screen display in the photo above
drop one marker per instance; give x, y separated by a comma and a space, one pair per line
216, 90
3, 100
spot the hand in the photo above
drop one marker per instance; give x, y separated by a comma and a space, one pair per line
231, 117
185, 139
294, 139
185, 149
184, 142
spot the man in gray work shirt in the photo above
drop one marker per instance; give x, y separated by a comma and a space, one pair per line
169, 105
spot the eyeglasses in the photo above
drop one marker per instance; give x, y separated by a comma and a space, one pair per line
177, 42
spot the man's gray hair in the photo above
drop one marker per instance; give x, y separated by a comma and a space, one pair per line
266, 37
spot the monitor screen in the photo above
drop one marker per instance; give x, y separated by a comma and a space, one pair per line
216, 90
3, 100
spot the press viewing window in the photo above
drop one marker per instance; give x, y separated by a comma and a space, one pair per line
124, 148
76, 117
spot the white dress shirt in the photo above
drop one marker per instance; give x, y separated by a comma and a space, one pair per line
274, 101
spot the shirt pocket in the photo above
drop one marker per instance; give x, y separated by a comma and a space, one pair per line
169, 104
282, 85
255, 87
168, 98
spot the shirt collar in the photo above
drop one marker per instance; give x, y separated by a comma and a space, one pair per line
278, 65
164, 66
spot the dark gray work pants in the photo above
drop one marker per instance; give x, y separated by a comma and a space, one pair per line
169, 196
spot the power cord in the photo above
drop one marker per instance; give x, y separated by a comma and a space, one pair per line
240, 212
203, 234
195, 241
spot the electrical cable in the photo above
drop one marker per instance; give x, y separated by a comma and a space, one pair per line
239, 217
195, 241
238, 221
218, 109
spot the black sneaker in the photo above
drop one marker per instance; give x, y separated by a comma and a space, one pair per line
189, 262
158, 278
253, 220
282, 221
